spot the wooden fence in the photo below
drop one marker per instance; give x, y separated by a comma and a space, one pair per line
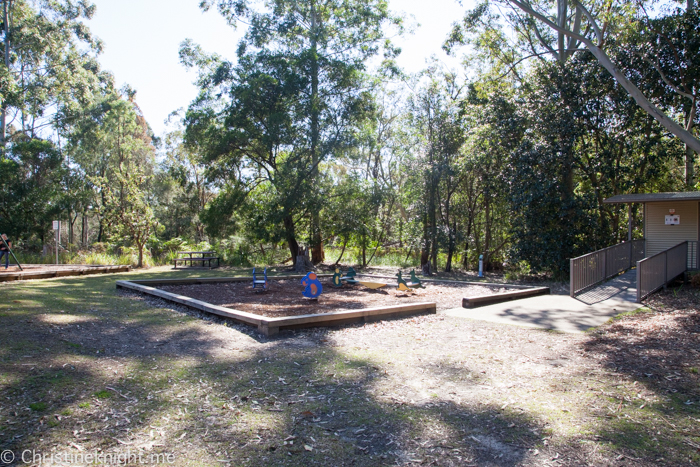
594, 268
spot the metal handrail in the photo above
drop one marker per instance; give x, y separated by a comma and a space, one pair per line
693, 255
658, 270
594, 268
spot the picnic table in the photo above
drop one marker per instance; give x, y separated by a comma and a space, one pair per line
196, 257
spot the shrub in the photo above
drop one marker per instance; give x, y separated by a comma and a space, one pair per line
695, 280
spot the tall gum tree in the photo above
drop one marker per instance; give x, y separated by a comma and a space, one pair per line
663, 52
126, 138
48, 65
592, 36
325, 47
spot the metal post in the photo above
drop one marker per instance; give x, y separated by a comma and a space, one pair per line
665, 269
630, 248
571, 278
605, 263
629, 222
639, 282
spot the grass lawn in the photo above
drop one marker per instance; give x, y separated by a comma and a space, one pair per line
89, 370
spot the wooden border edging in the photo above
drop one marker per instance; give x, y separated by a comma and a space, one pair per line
271, 326
213, 280
450, 281
475, 302
77, 271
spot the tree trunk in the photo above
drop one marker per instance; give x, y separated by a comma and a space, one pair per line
8, 46
291, 238
470, 225
487, 227
465, 257
429, 253
689, 167
689, 153
425, 250
432, 212
364, 251
408, 255
342, 252
83, 232
71, 226
102, 217
451, 244
140, 262
316, 239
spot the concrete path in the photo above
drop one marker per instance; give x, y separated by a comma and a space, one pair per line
561, 312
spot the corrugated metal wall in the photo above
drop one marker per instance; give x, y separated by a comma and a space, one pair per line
660, 236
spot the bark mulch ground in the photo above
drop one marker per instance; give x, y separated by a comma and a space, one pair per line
284, 298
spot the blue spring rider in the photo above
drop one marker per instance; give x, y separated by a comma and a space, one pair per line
260, 283
313, 286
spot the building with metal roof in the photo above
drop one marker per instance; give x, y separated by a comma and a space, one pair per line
668, 250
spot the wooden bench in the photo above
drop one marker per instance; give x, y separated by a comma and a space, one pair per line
192, 257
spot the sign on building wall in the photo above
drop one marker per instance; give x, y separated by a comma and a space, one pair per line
674, 219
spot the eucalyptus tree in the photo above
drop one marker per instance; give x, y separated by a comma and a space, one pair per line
126, 140
104, 136
587, 26
501, 56
494, 128
562, 28
295, 98
365, 202
49, 70
48, 76
434, 115
662, 54
613, 147
182, 189
31, 190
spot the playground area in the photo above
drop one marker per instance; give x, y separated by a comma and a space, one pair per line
289, 302
284, 297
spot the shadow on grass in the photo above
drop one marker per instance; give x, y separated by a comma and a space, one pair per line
87, 370
655, 355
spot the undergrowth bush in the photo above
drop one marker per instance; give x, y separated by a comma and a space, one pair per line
93, 258
695, 280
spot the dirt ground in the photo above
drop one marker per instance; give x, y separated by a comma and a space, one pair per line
13, 268
85, 368
284, 298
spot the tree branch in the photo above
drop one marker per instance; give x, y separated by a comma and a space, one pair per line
591, 21
631, 89
665, 78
